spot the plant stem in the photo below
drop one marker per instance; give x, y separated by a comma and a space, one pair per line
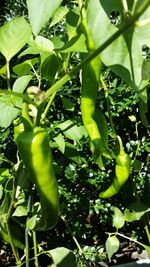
75, 240
15, 252
129, 238
8, 75
48, 106
95, 53
27, 232
35, 249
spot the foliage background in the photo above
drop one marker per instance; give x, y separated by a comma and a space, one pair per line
86, 216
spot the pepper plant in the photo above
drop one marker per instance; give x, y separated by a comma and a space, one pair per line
36, 70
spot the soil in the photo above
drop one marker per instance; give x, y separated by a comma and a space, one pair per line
128, 252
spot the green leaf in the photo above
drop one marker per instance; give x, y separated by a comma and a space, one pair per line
72, 153
59, 139
135, 211
72, 20
40, 12
21, 83
59, 15
20, 211
63, 257
57, 41
1, 191
125, 53
67, 103
112, 245
10, 105
137, 165
24, 67
72, 131
50, 67
76, 44
39, 45
13, 36
4, 174
3, 70
118, 218
32, 222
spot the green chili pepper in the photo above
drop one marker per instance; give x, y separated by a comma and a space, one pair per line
122, 171
90, 85
34, 150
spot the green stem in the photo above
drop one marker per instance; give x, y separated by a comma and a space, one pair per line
95, 53
66, 63
35, 249
15, 252
125, 5
121, 152
44, 114
8, 75
128, 238
28, 125
147, 248
74, 239
27, 232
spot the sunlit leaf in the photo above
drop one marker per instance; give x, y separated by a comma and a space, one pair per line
14, 35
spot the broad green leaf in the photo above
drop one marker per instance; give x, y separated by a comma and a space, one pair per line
72, 131
21, 83
72, 153
20, 211
50, 67
67, 103
39, 45
118, 218
4, 174
57, 41
7, 111
59, 139
13, 36
76, 44
63, 257
135, 211
32, 222
59, 15
125, 53
137, 165
10, 105
40, 11
131, 216
24, 67
112, 245
72, 20
3, 70
42, 44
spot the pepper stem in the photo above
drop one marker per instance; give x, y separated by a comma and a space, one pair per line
28, 125
121, 153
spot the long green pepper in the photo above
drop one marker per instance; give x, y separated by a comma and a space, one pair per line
122, 171
35, 152
90, 85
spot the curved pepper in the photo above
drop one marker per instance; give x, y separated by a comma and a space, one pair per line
90, 85
36, 155
122, 171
